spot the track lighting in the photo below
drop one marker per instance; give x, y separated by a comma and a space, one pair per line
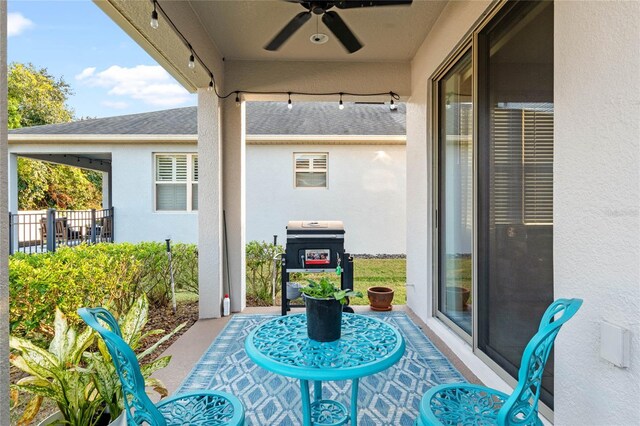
289, 104
341, 105
154, 17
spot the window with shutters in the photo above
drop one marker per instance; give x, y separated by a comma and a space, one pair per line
176, 182
310, 169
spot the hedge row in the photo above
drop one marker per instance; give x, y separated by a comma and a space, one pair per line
112, 275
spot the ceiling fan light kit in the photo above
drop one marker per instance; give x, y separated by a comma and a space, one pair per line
319, 38
331, 19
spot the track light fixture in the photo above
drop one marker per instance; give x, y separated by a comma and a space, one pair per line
154, 16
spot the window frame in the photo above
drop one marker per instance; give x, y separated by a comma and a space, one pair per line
311, 170
189, 182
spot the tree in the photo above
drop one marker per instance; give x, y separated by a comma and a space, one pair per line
34, 98
37, 96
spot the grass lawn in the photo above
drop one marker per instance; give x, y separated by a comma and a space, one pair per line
369, 273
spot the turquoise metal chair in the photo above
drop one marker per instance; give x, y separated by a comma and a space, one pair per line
206, 408
464, 404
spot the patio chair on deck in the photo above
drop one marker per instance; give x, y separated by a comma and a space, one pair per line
465, 404
205, 408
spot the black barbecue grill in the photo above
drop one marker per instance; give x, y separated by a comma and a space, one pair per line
314, 247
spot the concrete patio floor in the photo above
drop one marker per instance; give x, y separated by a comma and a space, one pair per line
187, 350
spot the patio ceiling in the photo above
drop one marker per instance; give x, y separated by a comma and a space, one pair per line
387, 33
229, 36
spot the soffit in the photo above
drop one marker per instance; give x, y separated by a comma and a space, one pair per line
240, 29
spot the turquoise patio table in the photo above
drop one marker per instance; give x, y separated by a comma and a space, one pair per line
367, 346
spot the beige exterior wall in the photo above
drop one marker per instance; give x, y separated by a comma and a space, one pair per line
597, 206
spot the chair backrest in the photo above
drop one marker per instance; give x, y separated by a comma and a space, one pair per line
137, 404
522, 405
43, 228
105, 231
61, 228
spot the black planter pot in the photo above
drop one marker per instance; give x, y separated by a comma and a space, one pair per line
324, 319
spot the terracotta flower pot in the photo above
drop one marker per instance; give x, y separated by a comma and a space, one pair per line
380, 298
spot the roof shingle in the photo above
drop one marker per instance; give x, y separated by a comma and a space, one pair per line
263, 118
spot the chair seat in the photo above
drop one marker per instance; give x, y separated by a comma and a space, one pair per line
202, 408
462, 404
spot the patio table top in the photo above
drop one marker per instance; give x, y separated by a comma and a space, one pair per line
367, 346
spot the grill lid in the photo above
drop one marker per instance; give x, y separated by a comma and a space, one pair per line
315, 227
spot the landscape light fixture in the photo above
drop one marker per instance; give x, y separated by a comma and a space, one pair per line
154, 17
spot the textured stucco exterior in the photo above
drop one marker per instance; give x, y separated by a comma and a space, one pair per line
365, 190
4, 226
132, 189
597, 202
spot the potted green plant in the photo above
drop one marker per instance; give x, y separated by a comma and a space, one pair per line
80, 379
324, 303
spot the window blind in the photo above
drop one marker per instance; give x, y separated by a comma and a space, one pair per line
522, 174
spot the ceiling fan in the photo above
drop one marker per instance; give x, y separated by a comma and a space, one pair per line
330, 18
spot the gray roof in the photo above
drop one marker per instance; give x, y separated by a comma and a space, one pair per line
177, 121
263, 118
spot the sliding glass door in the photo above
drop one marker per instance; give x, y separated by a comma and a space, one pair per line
515, 181
455, 181
494, 205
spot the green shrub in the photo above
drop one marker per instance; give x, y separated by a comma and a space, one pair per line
92, 275
259, 263
69, 278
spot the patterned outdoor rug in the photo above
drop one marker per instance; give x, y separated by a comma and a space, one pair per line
391, 397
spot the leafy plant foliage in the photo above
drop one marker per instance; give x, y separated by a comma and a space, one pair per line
325, 289
35, 97
260, 274
78, 377
92, 275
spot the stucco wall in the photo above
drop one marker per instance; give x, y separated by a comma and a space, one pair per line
133, 189
596, 205
366, 190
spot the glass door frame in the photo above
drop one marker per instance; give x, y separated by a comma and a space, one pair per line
460, 51
473, 41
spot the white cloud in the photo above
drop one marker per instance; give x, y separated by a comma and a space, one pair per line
17, 23
115, 104
149, 84
87, 72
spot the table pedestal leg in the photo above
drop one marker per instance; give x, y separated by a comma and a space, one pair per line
317, 390
306, 404
354, 402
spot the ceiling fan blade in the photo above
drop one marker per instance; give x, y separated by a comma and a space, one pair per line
289, 29
352, 4
342, 32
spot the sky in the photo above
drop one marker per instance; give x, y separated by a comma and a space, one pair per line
108, 72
